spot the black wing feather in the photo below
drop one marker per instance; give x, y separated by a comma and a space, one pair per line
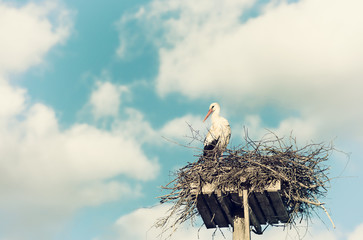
210, 147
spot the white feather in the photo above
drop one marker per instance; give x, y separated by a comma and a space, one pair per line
219, 130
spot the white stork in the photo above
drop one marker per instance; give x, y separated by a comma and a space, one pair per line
219, 133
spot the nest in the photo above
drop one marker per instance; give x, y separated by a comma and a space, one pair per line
301, 170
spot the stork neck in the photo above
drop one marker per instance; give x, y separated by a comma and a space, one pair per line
215, 115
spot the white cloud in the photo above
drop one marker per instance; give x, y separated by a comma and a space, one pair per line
176, 130
138, 225
27, 34
136, 127
183, 128
46, 172
314, 231
12, 100
302, 56
51, 171
357, 233
120, 155
303, 129
106, 99
288, 46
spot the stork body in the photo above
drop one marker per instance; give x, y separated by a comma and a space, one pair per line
219, 133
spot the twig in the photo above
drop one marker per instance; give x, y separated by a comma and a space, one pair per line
304, 178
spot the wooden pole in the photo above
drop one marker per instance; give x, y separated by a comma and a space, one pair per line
241, 221
246, 214
238, 226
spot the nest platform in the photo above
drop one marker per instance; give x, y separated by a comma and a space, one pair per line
218, 208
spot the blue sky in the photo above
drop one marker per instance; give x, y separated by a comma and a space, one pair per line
88, 90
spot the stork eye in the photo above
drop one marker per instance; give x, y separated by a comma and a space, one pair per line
212, 106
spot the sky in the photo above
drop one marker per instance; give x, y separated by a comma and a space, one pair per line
93, 95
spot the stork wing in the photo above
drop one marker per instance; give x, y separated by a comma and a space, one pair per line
210, 146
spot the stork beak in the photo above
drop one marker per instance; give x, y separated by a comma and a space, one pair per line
209, 112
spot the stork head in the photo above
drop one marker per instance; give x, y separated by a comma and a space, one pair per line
212, 108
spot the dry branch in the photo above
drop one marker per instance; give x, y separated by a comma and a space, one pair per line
301, 171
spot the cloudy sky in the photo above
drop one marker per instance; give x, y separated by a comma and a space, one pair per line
89, 90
